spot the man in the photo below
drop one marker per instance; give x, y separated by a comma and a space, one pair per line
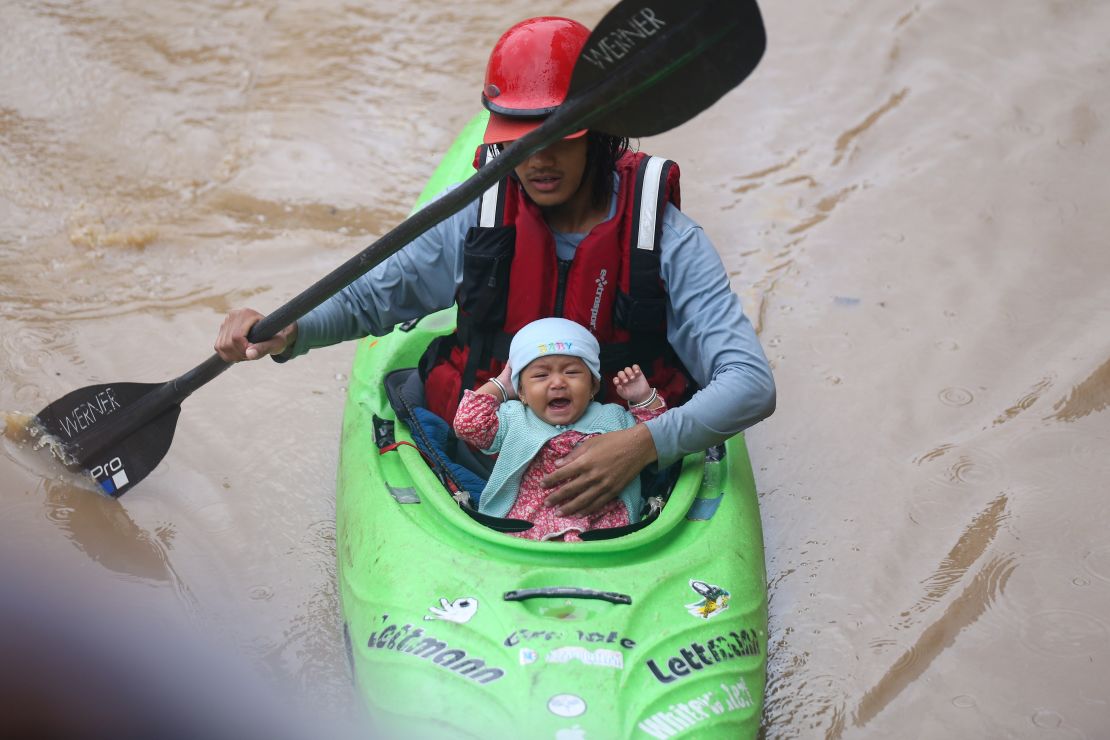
565, 235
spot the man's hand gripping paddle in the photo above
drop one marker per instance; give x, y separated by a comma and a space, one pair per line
687, 53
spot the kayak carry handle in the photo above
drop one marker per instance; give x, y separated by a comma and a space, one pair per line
570, 592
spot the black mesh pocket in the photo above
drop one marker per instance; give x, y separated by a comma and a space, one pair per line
487, 259
642, 315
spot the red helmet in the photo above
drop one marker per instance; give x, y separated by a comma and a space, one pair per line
528, 75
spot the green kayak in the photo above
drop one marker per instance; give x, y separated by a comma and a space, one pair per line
457, 630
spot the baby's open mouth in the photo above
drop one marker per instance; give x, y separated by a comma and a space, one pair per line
558, 404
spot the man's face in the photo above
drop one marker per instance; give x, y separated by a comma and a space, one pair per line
552, 176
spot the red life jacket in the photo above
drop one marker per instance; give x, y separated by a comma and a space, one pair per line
511, 276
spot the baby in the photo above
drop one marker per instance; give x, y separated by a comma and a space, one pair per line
554, 370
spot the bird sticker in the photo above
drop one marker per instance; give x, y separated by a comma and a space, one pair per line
714, 599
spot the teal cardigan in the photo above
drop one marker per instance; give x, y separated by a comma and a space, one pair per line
520, 436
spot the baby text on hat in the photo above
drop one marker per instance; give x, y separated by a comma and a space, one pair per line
546, 347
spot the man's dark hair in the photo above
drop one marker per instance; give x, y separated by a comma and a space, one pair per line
602, 153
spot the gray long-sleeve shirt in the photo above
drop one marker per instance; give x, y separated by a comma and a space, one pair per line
706, 324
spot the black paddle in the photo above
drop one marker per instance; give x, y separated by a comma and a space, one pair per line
687, 52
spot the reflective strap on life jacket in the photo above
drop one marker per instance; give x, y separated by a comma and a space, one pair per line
645, 286
650, 181
491, 209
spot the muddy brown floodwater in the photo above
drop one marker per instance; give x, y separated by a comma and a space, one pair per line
909, 195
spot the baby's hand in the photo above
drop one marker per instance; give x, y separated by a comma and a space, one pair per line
506, 379
631, 385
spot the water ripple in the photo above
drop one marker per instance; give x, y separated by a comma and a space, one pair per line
1067, 633
1026, 401
974, 467
963, 611
971, 545
956, 396
1097, 562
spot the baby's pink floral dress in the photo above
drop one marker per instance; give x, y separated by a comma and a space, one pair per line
476, 423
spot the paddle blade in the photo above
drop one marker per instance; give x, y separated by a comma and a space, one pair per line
86, 432
697, 50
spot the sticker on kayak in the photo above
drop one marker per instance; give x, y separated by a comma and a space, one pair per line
686, 715
600, 657
459, 611
571, 733
714, 599
612, 637
568, 653
566, 705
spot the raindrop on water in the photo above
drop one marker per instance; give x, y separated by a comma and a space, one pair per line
1047, 718
956, 397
